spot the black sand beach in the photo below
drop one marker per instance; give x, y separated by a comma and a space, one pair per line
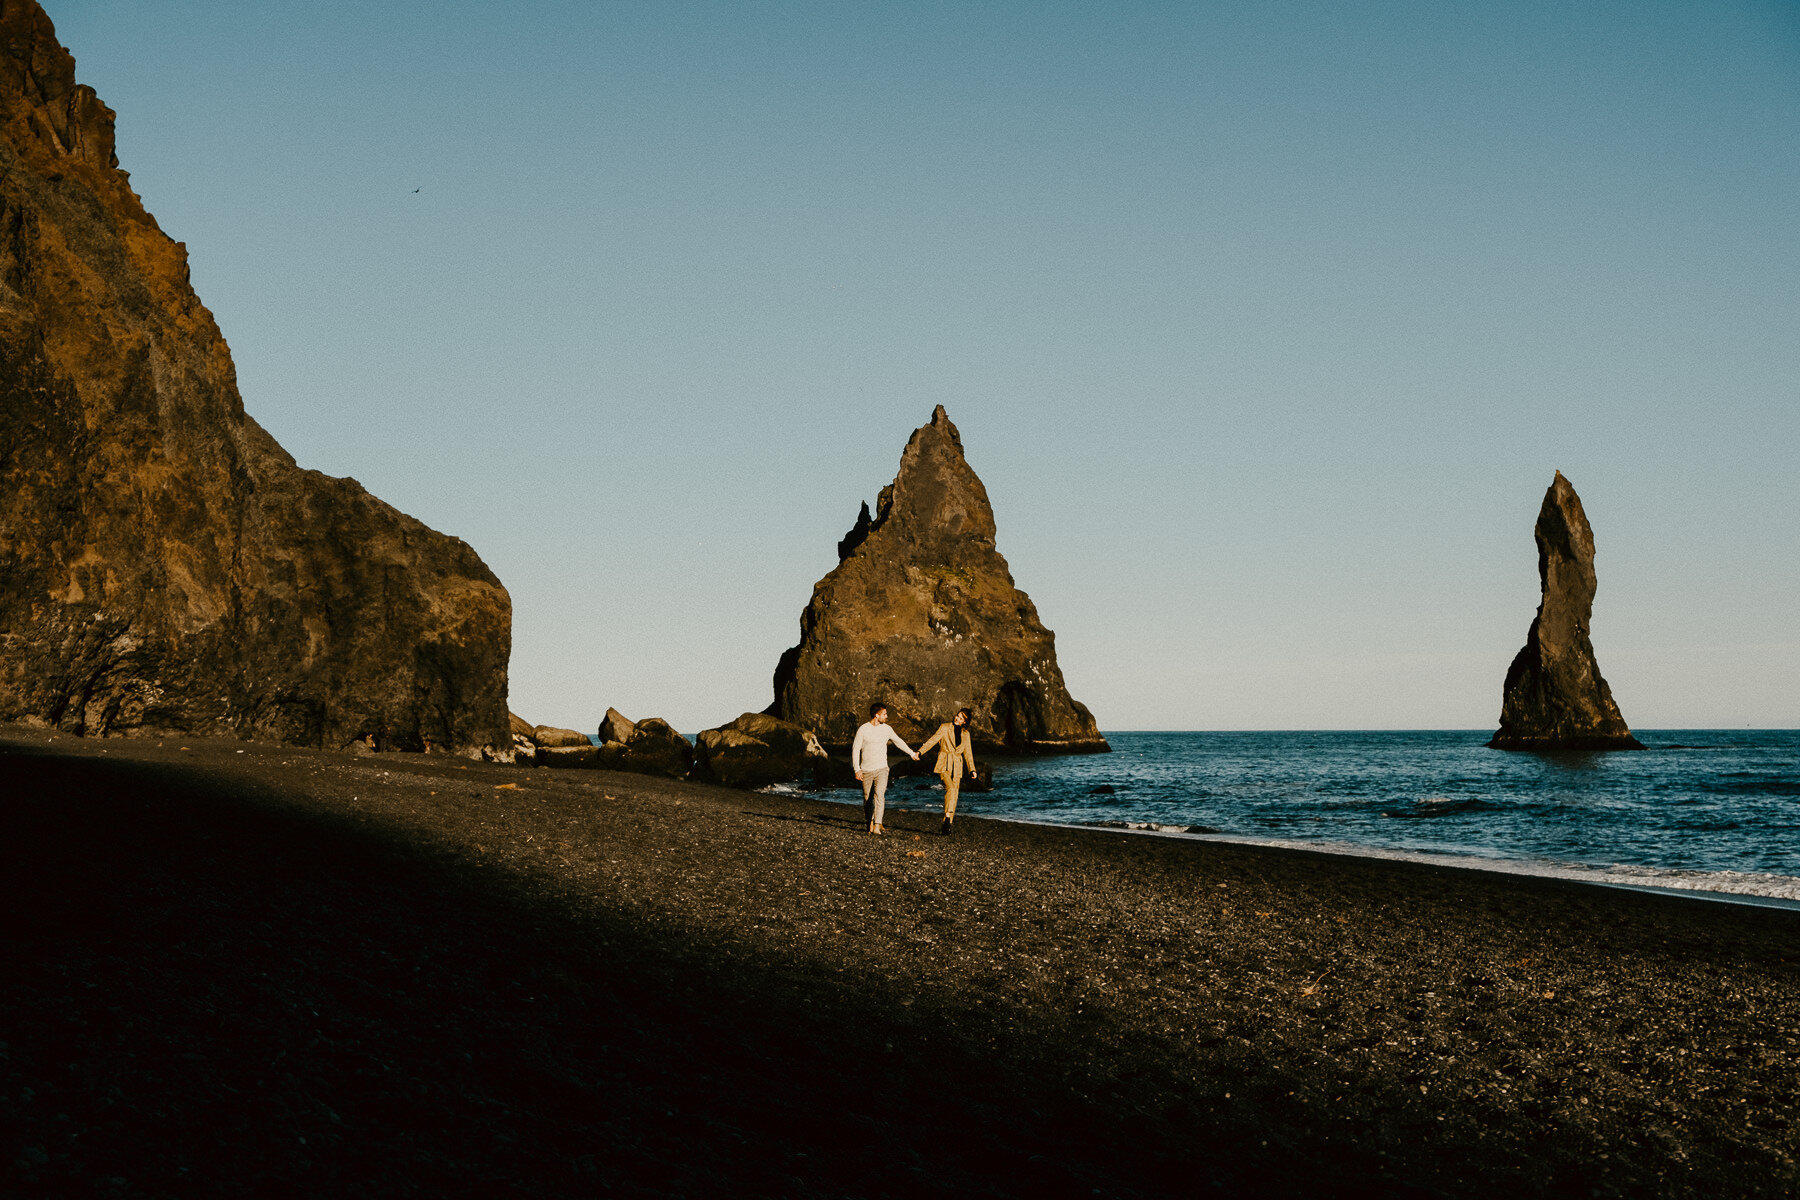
236, 969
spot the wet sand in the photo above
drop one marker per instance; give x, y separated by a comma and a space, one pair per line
238, 969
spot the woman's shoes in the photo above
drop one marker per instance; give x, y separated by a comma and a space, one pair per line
944, 829
874, 828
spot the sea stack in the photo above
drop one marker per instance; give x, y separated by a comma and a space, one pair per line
165, 567
1555, 698
921, 613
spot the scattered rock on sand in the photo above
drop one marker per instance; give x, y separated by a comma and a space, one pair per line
756, 750
648, 747
568, 756
1554, 697
524, 744
549, 746
616, 727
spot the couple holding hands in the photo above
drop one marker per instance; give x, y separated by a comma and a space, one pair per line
868, 757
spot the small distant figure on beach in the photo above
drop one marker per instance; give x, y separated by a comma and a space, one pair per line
868, 758
955, 752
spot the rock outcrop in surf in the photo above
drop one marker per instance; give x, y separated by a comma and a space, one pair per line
1554, 697
164, 564
922, 613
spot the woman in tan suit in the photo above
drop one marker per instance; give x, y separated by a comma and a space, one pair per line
954, 753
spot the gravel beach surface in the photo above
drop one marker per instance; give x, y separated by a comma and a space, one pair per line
235, 969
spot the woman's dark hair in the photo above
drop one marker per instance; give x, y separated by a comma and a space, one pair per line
967, 716
875, 708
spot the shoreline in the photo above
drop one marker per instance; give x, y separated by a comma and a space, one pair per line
1528, 868
1539, 869
243, 964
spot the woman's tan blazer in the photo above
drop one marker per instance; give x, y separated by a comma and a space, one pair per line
953, 752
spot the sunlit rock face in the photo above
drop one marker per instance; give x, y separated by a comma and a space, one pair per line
164, 564
1554, 697
922, 614
647, 747
757, 750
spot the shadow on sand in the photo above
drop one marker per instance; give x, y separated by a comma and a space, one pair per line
214, 992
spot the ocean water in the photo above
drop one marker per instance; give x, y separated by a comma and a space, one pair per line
1700, 810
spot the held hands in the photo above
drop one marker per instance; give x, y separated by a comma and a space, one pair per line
915, 756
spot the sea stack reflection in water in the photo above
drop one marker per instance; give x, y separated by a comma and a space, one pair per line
1555, 697
921, 612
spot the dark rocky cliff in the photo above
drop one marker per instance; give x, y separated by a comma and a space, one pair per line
164, 564
922, 612
1554, 697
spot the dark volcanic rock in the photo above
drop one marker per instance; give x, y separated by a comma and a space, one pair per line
859, 533
922, 613
616, 727
524, 745
756, 750
656, 748
164, 564
557, 747
585, 755
1555, 698
647, 747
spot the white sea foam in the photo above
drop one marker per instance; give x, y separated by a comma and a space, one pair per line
1748, 887
1154, 827
1743, 887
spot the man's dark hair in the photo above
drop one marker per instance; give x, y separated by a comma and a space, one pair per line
875, 708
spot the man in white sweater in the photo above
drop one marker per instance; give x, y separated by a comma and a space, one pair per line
868, 758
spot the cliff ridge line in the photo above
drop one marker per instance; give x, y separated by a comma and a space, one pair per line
164, 565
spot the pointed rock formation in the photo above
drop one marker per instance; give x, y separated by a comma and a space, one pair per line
922, 614
164, 564
616, 727
1555, 698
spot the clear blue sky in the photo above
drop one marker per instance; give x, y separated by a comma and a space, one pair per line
1265, 324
